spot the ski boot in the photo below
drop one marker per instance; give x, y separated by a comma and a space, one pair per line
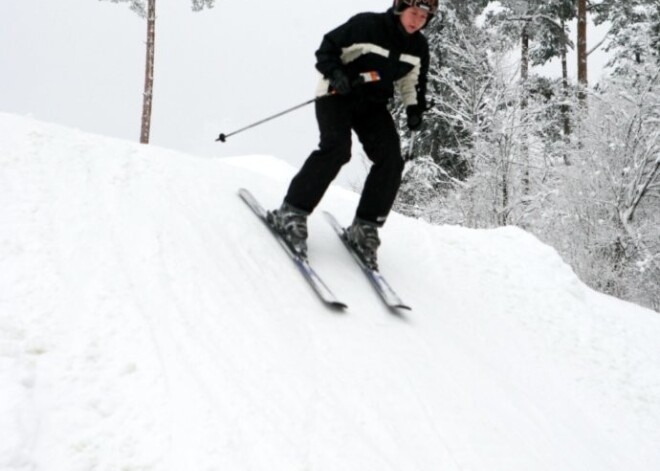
363, 237
291, 224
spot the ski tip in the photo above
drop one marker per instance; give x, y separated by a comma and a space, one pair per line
401, 306
338, 306
400, 311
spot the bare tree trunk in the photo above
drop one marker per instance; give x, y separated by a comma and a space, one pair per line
149, 73
524, 58
564, 81
524, 78
504, 214
582, 48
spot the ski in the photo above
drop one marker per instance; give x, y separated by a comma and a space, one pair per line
300, 261
382, 287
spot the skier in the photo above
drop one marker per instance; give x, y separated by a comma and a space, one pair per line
391, 44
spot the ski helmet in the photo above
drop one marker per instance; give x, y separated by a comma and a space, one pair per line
429, 5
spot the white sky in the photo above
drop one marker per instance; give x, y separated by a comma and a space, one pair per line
81, 63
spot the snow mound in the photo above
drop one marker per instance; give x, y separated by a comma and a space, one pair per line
149, 322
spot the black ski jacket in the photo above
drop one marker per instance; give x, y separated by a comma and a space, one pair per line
377, 42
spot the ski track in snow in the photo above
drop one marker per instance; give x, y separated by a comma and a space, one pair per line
149, 322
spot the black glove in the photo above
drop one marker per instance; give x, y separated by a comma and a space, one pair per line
340, 82
414, 113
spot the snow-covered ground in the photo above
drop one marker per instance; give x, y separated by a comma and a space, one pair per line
149, 322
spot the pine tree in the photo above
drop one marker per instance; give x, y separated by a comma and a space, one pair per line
582, 65
552, 41
147, 9
634, 36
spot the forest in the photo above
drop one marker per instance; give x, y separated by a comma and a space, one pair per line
575, 163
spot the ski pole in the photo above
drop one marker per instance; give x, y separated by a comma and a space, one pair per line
410, 153
364, 77
223, 137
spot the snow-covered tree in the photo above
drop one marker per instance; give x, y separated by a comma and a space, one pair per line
605, 215
634, 36
458, 82
482, 138
494, 147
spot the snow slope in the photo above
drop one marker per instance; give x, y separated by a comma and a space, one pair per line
149, 322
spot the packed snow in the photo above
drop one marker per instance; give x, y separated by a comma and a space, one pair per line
148, 321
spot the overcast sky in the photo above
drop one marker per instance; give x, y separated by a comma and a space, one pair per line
81, 63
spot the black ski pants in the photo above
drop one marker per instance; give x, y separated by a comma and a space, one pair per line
374, 126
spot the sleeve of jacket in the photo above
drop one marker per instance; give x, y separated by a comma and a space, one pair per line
412, 87
328, 56
423, 78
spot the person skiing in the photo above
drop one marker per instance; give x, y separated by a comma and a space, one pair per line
392, 45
